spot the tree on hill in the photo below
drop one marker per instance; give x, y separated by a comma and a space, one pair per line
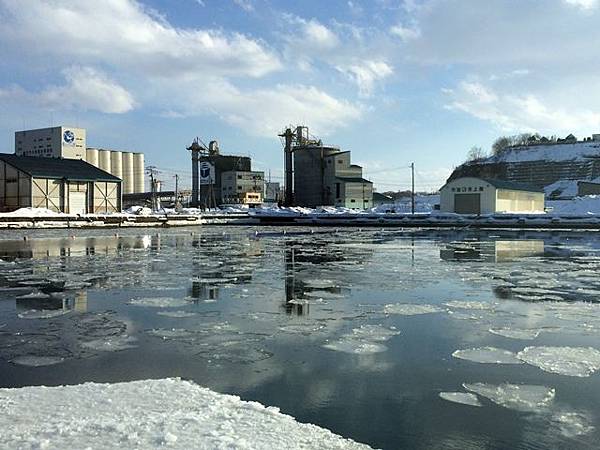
475, 154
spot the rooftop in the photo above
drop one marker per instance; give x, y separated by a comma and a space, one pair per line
57, 168
353, 180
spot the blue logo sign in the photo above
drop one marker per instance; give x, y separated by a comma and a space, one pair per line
69, 137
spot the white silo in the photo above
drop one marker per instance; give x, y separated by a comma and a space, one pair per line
128, 173
116, 164
138, 172
104, 160
91, 156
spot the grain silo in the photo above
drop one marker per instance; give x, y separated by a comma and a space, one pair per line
138, 172
128, 178
104, 160
91, 156
116, 164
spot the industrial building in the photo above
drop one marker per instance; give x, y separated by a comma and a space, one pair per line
70, 143
241, 187
208, 169
61, 185
470, 195
320, 175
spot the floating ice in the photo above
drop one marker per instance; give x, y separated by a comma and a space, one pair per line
111, 343
173, 333
520, 397
37, 361
365, 339
159, 302
176, 314
516, 333
43, 313
464, 398
572, 424
321, 284
406, 309
470, 305
571, 361
488, 355
323, 294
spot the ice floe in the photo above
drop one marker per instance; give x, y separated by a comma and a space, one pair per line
43, 313
488, 355
159, 302
572, 424
364, 339
516, 333
460, 304
36, 361
406, 309
464, 398
571, 361
176, 314
520, 397
111, 343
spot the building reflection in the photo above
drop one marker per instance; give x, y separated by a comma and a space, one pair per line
492, 251
56, 301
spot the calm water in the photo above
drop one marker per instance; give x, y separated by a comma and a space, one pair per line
300, 321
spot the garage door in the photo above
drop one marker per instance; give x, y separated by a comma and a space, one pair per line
467, 203
77, 203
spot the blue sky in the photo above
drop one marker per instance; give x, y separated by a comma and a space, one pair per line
394, 81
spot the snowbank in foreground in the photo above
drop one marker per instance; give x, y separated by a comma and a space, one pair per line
169, 413
32, 212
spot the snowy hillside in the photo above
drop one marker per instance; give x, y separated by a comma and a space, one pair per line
549, 152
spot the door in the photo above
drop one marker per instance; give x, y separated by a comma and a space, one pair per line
467, 203
77, 203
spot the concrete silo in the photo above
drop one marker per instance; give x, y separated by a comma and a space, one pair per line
128, 178
116, 164
138, 172
104, 160
91, 156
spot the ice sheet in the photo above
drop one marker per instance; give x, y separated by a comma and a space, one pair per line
159, 302
488, 355
464, 398
406, 309
571, 361
516, 333
520, 397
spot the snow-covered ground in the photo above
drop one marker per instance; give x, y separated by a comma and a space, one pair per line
169, 413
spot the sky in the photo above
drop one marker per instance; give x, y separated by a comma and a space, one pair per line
394, 81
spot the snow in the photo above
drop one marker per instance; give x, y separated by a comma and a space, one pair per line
463, 398
405, 309
36, 361
33, 212
473, 305
168, 413
571, 361
487, 355
563, 188
520, 397
550, 152
579, 206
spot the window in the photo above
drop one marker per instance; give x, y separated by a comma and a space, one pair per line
239, 188
470, 188
339, 161
453, 189
352, 200
480, 188
337, 190
239, 177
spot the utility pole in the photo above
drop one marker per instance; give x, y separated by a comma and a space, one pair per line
176, 186
412, 191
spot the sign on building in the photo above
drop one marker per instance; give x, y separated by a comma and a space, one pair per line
207, 173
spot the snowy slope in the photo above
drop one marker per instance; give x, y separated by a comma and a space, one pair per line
169, 413
552, 152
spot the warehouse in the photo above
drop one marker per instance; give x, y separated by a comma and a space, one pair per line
469, 195
61, 185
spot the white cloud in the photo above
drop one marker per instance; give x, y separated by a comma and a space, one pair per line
406, 33
85, 89
124, 34
317, 36
88, 89
366, 73
246, 5
583, 4
513, 112
263, 112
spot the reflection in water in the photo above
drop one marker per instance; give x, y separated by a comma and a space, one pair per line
210, 307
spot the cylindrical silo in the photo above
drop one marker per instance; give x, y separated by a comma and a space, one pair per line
138, 172
116, 164
127, 173
104, 160
91, 156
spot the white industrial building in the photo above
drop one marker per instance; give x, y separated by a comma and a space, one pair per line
242, 187
470, 195
70, 143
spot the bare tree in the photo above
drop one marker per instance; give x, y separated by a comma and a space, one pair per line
475, 154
